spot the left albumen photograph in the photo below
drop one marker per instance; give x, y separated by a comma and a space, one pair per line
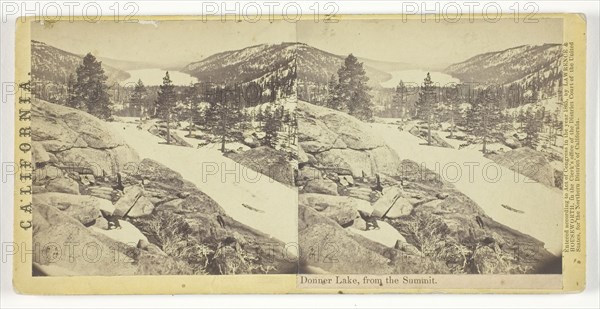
164, 147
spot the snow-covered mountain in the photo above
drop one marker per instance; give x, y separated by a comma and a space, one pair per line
270, 66
518, 64
274, 63
53, 65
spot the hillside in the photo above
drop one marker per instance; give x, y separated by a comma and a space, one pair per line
128, 65
317, 66
53, 65
269, 66
524, 65
278, 64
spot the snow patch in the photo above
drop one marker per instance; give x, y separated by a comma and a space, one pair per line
488, 184
224, 180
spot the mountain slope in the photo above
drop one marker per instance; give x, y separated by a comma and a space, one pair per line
510, 65
317, 66
271, 66
275, 64
127, 65
53, 65
387, 66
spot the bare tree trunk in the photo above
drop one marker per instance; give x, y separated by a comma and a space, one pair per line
429, 132
223, 133
168, 128
484, 150
223, 143
190, 126
452, 126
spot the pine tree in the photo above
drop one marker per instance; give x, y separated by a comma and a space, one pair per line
259, 117
271, 128
136, 105
426, 104
91, 91
533, 124
291, 123
332, 97
549, 126
245, 119
191, 100
557, 124
165, 102
352, 89
399, 100
223, 116
71, 99
484, 118
453, 99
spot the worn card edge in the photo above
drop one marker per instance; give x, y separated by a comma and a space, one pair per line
574, 29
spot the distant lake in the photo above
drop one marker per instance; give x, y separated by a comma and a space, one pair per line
416, 77
153, 77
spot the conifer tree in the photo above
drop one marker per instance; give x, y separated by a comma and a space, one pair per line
191, 99
352, 90
484, 118
165, 102
426, 104
332, 97
271, 127
453, 99
557, 124
399, 100
91, 91
533, 125
71, 99
223, 116
259, 116
136, 105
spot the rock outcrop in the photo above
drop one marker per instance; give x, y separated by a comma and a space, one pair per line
341, 209
341, 143
75, 140
133, 203
328, 246
160, 130
267, 161
392, 205
55, 231
363, 210
527, 162
423, 133
125, 216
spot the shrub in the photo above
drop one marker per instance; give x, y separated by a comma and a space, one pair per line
478, 254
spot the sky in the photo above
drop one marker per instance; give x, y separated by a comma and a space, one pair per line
176, 43
427, 44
